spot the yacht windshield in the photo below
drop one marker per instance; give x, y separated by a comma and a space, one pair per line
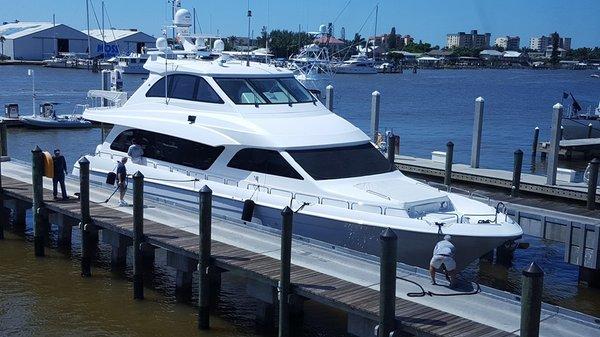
264, 90
342, 162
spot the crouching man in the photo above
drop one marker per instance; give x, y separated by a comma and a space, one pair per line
443, 260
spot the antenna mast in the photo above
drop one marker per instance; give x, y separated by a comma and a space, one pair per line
248, 46
375, 36
87, 14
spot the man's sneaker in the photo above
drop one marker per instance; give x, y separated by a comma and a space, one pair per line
122, 203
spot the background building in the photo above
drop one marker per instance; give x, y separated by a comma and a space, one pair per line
38, 41
120, 41
541, 43
472, 40
509, 42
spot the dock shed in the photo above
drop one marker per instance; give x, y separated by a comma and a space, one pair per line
114, 42
37, 41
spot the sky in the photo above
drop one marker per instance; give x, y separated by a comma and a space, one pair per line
428, 20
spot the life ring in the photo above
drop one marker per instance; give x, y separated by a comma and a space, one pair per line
48, 165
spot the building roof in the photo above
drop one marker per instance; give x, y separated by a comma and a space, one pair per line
113, 34
512, 54
15, 30
439, 52
328, 40
490, 52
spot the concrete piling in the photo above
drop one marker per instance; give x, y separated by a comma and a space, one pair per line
531, 300
284, 275
86, 225
387, 283
449, 158
3, 140
477, 130
106, 75
589, 130
534, 144
391, 148
375, 103
204, 272
592, 184
329, 97
138, 236
518, 166
554, 144
39, 228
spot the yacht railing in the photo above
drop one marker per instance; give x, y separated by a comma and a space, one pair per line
326, 201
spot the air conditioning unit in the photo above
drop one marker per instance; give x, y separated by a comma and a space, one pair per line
11, 110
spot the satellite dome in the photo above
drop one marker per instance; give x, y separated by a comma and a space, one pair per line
218, 45
161, 44
183, 18
323, 29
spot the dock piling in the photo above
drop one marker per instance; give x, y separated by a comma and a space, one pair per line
375, 103
391, 148
534, 144
205, 237
138, 235
531, 300
592, 184
38, 200
106, 74
477, 130
329, 97
449, 158
387, 283
518, 166
554, 144
85, 225
589, 130
284, 276
3, 140
3, 213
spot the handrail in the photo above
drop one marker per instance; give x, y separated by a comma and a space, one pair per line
479, 214
439, 213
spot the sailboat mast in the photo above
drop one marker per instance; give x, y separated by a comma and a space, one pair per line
87, 14
54, 32
103, 39
375, 35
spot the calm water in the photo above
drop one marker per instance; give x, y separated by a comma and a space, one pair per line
47, 296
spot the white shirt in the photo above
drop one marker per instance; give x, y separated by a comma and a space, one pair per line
135, 152
444, 248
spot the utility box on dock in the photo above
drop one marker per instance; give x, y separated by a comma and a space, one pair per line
11, 110
438, 156
563, 174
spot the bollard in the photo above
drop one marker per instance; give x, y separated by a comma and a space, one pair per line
554, 144
86, 226
391, 149
284, 276
477, 129
397, 144
534, 145
138, 236
387, 283
449, 155
592, 184
375, 101
589, 130
329, 97
204, 290
518, 166
38, 200
531, 300
3, 140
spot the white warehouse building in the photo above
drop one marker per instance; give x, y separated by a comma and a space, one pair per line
37, 41
120, 41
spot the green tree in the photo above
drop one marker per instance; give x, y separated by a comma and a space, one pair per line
230, 42
391, 42
554, 57
284, 43
417, 47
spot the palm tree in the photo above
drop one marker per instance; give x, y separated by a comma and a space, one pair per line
2, 39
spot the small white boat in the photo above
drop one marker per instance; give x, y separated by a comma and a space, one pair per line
357, 64
595, 75
48, 119
133, 63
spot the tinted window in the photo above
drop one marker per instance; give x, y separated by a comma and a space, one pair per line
264, 90
188, 87
168, 148
263, 161
342, 162
240, 91
273, 90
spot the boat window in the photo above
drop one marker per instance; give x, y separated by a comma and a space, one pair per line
264, 90
187, 87
240, 91
170, 149
263, 161
342, 162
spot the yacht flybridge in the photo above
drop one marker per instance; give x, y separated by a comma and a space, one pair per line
251, 131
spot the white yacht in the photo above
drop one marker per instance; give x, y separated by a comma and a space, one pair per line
357, 64
313, 67
132, 63
252, 132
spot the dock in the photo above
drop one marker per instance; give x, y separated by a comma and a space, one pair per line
335, 277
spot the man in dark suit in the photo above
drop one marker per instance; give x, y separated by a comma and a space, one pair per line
60, 170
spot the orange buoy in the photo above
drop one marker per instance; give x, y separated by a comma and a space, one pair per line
48, 165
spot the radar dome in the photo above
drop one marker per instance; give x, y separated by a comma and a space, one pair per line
218, 45
161, 44
323, 29
183, 18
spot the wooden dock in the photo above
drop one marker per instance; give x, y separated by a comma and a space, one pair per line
360, 300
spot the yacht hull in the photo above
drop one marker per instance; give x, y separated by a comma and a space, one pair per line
575, 128
414, 248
